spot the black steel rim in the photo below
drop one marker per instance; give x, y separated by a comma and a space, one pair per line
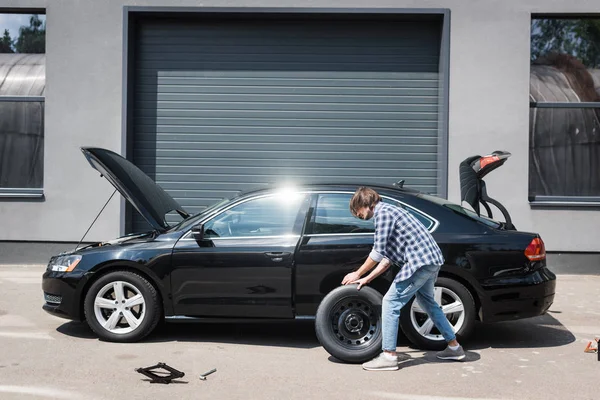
355, 323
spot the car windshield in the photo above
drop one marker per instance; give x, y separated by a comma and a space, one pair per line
192, 218
461, 210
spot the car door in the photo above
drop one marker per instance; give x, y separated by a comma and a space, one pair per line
243, 267
334, 243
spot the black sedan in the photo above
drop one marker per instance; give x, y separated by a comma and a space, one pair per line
281, 253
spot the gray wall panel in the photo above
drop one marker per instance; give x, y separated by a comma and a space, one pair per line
489, 78
223, 106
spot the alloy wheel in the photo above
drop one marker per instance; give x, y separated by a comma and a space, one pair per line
119, 307
452, 307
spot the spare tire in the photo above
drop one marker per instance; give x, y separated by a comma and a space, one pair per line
348, 323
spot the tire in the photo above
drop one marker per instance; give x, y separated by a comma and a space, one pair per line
348, 323
140, 304
463, 321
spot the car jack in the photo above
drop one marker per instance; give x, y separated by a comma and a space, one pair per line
593, 348
157, 376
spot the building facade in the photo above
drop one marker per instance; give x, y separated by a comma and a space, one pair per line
213, 98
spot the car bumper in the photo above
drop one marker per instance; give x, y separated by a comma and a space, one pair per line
62, 294
520, 297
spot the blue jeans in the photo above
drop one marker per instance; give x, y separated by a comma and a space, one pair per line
421, 284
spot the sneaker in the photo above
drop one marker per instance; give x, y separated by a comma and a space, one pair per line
381, 363
449, 354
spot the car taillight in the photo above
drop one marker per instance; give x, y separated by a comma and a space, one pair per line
483, 161
536, 250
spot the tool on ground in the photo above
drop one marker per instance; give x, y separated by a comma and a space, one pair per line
158, 376
591, 348
204, 375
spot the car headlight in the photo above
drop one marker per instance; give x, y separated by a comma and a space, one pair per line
64, 263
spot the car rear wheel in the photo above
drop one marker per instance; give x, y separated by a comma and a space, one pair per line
348, 323
122, 306
458, 307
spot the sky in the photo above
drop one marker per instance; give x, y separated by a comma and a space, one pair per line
13, 22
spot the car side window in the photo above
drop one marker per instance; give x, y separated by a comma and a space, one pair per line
264, 216
427, 222
332, 215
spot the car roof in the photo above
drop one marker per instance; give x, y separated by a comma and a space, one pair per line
317, 187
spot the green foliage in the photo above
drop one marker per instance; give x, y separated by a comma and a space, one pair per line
32, 38
6, 43
577, 37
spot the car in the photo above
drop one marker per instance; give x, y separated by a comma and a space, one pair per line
280, 253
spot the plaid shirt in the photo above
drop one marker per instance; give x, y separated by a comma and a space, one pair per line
403, 240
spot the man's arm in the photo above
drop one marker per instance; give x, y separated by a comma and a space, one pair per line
381, 268
366, 267
383, 228
384, 225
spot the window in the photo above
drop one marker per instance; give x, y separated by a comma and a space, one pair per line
426, 221
333, 215
461, 210
265, 216
564, 129
22, 85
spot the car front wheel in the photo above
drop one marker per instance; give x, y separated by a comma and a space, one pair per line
348, 323
122, 306
458, 307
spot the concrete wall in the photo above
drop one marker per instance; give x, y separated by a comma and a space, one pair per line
489, 110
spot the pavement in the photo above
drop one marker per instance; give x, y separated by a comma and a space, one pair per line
44, 357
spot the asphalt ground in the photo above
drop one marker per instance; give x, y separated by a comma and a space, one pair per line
44, 357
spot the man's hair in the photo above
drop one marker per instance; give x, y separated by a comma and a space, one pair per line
363, 197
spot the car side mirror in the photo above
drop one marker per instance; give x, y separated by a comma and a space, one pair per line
198, 232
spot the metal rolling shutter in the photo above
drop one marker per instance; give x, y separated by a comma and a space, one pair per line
227, 105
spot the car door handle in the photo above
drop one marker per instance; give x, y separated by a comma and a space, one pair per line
277, 256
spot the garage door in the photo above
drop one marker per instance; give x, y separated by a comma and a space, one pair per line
223, 105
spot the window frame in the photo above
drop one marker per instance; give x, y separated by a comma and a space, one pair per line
19, 192
432, 228
310, 224
188, 234
543, 201
216, 213
29, 193
563, 201
271, 195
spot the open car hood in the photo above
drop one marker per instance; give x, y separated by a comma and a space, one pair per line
151, 201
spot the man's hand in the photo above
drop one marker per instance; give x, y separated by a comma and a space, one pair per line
361, 282
350, 278
383, 265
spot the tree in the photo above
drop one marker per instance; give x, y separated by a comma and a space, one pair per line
6, 43
32, 38
577, 37
588, 30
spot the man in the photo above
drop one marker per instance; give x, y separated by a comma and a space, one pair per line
401, 239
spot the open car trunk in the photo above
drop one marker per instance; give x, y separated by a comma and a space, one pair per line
472, 186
